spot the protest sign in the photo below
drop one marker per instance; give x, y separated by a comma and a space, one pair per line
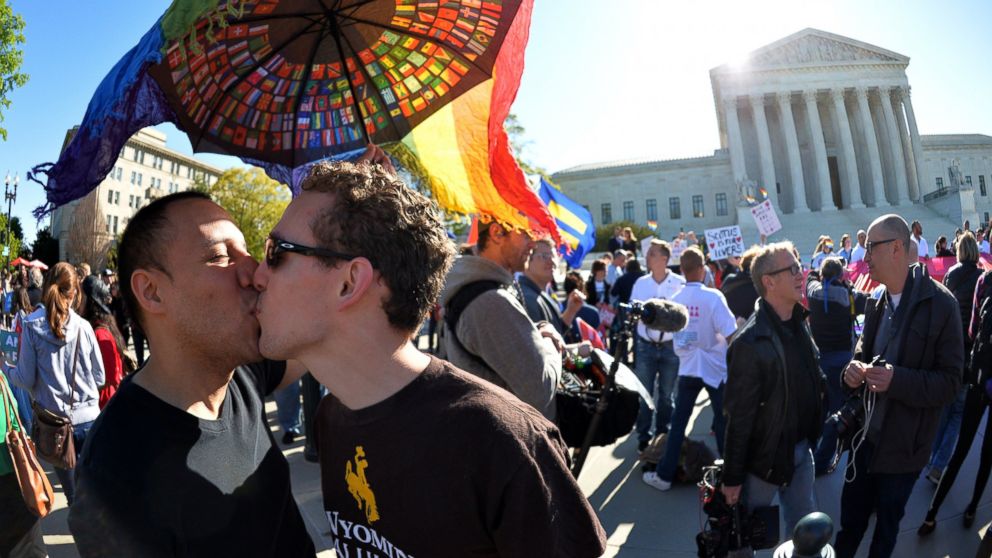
724, 242
766, 218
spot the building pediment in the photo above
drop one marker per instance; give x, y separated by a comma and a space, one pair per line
812, 47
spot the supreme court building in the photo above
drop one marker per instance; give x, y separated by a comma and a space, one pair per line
825, 124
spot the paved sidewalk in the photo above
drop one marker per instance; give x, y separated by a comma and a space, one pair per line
640, 521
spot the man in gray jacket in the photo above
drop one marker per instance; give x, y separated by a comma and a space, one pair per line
493, 337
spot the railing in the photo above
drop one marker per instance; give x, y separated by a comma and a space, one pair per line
939, 193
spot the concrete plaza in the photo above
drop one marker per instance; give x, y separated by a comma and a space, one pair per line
640, 521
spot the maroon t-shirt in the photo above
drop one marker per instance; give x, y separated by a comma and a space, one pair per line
450, 466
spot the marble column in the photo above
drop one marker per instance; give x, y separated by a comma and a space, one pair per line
734, 142
874, 159
822, 195
851, 192
895, 146
792, 149
907, 149
914, 137
764, 148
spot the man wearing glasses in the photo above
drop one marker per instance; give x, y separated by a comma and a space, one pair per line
418, 458
541, 306
486, 328
774, 394
907, 367
181, 460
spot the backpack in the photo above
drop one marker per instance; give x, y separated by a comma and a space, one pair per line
981, 350
574, 407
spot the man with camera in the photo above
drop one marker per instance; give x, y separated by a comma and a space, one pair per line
907, 366
774, 394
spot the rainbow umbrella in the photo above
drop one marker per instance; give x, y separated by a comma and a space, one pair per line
284, 83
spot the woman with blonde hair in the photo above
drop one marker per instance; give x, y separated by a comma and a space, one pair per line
630, 241
60, 361
824, 249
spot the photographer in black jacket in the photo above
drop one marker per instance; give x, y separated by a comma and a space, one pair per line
916, 328
774, 394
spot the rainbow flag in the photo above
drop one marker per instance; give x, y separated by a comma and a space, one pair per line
463, 153
652, 224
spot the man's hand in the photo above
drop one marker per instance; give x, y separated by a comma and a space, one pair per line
854, 374
547, 330
731, 493
879, 378
375, 155
576, 299
584, 349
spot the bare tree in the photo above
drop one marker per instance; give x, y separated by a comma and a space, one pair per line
88, 237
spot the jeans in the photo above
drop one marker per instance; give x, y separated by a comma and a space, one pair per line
288, 408
685, 402
68, 476
832, 363
796, 498
651, 362
883, 494
947, 432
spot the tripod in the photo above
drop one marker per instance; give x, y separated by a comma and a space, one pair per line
631, 315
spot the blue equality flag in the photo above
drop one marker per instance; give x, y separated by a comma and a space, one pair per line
574, 222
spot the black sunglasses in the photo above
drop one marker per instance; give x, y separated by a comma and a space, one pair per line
871, 244
794, 269
275, 247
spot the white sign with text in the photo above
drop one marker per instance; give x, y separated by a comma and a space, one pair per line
724, 242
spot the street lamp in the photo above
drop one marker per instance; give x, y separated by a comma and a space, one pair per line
10, 196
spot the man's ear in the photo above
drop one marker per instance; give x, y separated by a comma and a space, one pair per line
357, 279
145, 285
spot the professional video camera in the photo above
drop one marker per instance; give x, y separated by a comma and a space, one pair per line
729, 532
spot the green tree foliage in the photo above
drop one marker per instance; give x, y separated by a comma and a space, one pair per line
255, 202
11, 57
515, 130
46, 247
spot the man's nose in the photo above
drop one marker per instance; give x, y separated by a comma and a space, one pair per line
246, 271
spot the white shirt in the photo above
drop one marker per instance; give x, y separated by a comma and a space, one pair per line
858, 254
646, 288
613, 273
983, 246
702, 345
922, 247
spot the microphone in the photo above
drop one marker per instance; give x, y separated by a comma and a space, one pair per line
659, 314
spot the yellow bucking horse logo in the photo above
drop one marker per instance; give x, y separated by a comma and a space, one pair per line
359, 487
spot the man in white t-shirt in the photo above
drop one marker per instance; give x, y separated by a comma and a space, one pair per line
922, 248
654, 355
983, 244
702, 350
858, 253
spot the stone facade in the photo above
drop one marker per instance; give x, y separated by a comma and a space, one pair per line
822, 123
146, 169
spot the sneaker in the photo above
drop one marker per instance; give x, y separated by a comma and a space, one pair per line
642, 444
652, 479
289, 437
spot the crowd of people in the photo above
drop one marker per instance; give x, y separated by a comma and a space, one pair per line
435, 454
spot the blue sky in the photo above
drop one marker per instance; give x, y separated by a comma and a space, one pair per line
604, 80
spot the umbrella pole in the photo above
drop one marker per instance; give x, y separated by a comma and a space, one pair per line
332, 24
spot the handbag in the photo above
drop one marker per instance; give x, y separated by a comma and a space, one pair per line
52, 432
35, 488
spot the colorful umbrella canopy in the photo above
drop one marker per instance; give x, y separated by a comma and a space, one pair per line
38, 263
20, 261
282, 83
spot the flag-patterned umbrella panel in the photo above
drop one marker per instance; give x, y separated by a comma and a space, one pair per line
292, 81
